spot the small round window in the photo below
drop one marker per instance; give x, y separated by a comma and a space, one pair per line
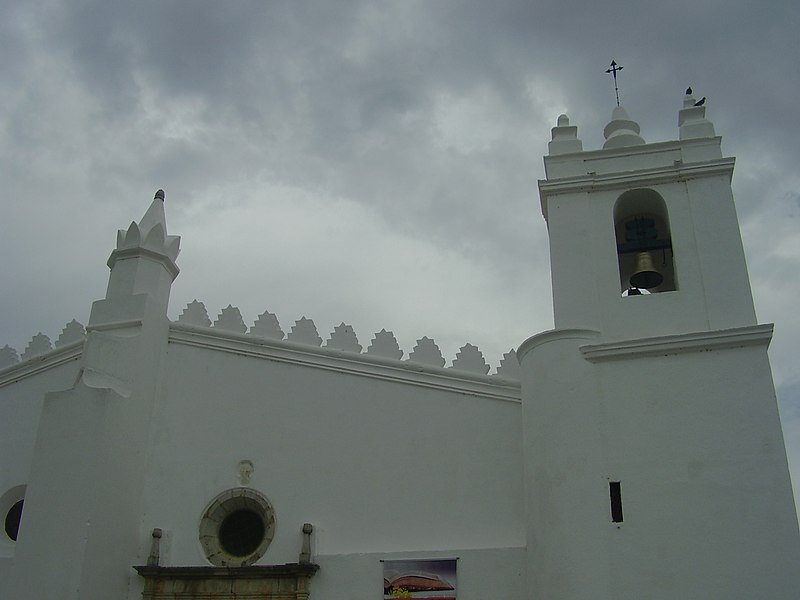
236, 528
11, 505
13, 517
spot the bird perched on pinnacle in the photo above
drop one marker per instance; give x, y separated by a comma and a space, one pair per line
689, 91
701, 101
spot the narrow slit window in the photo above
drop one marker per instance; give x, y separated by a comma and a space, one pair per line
615, 494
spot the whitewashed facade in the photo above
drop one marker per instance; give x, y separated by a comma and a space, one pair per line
635, 451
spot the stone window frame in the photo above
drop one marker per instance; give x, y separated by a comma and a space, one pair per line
218, 509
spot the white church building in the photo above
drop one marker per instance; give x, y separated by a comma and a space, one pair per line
633, 452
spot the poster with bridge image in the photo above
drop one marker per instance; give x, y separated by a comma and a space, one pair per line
423, 579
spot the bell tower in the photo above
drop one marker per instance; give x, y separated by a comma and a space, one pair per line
637, 219
655, 463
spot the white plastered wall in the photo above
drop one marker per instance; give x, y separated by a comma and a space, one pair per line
695, 440
381, 469
20, 409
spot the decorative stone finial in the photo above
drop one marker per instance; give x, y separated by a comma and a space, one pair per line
692, 122
565, 138
622, 131
305, 551
149, 234
245, 471
143, 262
155, 548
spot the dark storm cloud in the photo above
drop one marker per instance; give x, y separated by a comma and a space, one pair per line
344, 97
315, 90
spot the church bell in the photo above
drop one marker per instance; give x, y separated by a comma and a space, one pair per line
645, 275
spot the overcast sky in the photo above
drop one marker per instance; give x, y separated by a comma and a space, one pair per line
369, 162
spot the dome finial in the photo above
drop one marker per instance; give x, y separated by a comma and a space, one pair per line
159, 195
621, 130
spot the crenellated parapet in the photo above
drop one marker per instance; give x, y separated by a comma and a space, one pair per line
42, 352
39, 344
385, 344
8, 356
131, 319
509, 365
343, 340
230, 319
426, 352
195, 313
267, 326
304, 332
72, 332
470, 359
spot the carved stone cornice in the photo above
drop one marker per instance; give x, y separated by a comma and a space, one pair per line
639, 177
701, 341
287, 582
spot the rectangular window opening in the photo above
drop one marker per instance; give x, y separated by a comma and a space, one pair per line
615, 494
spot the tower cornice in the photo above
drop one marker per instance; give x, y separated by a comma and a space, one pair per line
700, 341
139, 252
620, 180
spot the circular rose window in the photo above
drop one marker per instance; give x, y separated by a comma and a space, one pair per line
237, 527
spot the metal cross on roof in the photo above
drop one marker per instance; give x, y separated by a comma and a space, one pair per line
613, 68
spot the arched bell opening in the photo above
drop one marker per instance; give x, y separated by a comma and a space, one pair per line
644, 243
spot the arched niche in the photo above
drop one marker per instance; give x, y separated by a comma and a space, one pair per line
644, 242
